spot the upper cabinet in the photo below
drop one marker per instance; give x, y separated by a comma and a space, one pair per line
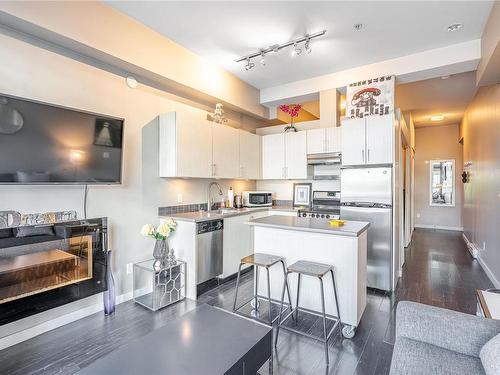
284, 156
185, 144
192, 146
273, 156
226, 151
324, 140
368, 140
250, 155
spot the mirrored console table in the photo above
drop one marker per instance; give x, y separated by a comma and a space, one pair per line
156, 287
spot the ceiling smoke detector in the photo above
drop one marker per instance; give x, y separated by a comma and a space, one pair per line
358, 26
131, 82
455, 27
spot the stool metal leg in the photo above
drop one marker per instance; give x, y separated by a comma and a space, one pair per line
324, 319
336, 298
256, 301
287, 287
237, 286
269, 297
299, 276
280, 316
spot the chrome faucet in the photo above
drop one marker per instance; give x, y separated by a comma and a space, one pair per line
209, 201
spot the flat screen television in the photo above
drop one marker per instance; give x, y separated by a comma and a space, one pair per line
46, 144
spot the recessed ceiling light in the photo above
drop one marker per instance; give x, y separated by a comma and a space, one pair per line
358, 26
131, 82
454, 27
437, 118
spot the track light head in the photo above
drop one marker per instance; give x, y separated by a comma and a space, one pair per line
307, 46
296, 50
249, 65
262, 59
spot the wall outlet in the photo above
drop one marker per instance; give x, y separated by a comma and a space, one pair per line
179, 198
129, 268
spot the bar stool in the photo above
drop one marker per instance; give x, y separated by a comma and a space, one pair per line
266, 261
303, 267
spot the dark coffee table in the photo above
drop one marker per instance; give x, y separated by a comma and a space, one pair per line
204, 341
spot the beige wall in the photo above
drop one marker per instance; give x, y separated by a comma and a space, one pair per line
481, 134
433, 143
38, 74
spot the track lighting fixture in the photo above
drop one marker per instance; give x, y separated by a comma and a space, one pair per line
249, 64
295, 43
296, 50
262, 59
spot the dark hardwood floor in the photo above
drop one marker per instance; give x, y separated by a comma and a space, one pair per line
438, 271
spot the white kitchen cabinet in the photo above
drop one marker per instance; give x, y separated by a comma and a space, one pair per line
379, 139
324, 140
284, 156
250, 154
185, 144
273, 156
238, 241
333, 139
226, 153
367, 140
316, 141
353, 141
296, 155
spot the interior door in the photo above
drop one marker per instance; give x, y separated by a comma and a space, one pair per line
226, 151
273, 156
296, 155
316, 141
353, 141
250, 155
379, 139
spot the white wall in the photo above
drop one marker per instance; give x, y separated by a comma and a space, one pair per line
38, 74
434, 143
481, 209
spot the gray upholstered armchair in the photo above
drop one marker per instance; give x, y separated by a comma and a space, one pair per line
431, 340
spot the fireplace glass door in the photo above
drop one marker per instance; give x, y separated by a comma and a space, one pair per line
28, 271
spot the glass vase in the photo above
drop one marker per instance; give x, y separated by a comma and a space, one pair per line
160, 252
109, 298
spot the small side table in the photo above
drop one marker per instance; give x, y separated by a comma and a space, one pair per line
157, 288
488, 303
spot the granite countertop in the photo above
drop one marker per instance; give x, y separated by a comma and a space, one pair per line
199, 216
305, 224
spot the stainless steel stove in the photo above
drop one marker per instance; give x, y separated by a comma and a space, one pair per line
325, 205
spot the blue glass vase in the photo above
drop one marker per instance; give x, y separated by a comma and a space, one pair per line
109, 297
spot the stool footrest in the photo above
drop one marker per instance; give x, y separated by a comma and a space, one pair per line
336, 323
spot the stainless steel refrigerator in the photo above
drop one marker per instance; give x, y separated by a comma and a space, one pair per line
366, 195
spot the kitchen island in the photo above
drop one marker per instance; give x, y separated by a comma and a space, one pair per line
314, 239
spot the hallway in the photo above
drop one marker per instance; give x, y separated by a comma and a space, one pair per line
438, 271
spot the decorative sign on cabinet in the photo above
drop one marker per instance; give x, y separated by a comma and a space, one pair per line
192, 146
368, 140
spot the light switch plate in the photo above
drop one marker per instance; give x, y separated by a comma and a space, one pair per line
129, 268
179, 198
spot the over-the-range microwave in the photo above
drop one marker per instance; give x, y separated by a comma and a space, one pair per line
257, 198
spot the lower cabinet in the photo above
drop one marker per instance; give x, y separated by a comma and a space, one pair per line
238, 241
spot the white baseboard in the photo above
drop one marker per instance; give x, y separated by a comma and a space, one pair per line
473, 250
488, 272
440, 227
62, 320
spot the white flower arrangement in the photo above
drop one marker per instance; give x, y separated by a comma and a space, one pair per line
162, 232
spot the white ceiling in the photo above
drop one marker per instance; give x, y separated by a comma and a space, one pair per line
447, 97
224, 31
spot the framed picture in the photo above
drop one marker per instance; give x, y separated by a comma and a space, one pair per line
108, 133
302, 194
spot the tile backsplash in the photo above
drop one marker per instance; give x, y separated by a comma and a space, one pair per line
169, 210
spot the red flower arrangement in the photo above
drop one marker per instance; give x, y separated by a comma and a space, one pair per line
293, 110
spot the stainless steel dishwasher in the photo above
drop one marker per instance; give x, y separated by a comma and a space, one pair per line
209, 250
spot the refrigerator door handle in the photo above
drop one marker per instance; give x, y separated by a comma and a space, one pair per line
363, 155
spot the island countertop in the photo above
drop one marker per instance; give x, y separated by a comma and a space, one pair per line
305, 224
